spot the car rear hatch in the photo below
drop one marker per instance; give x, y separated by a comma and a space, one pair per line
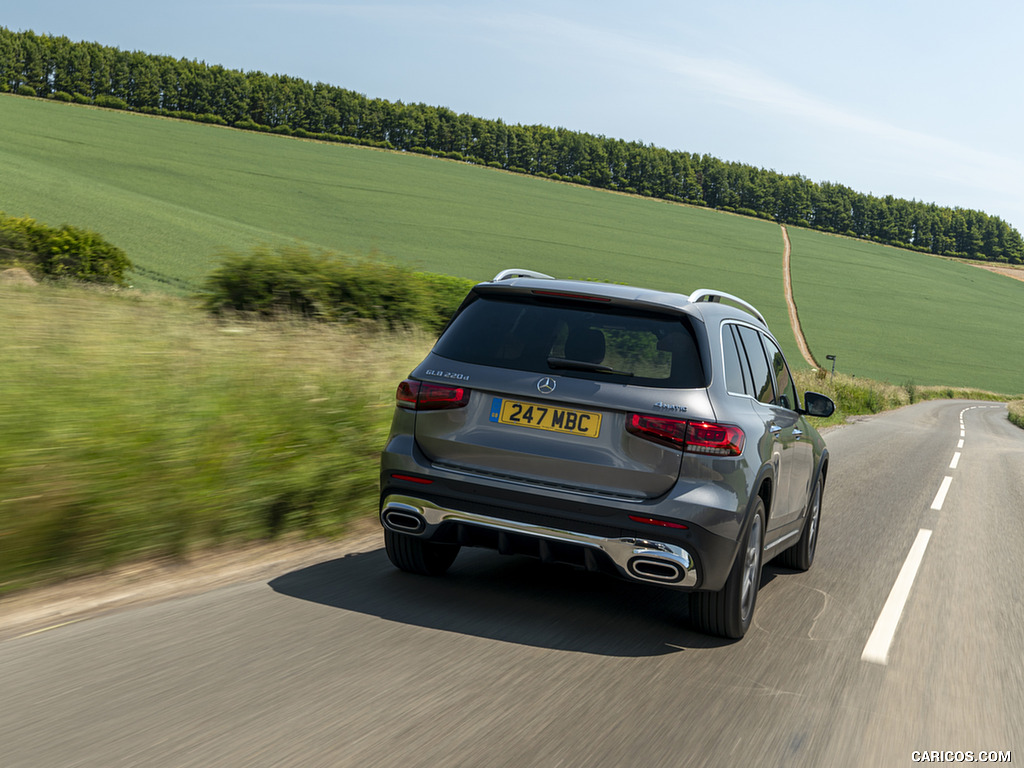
564, 392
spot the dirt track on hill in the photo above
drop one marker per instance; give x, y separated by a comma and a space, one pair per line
794, 318
1016, 273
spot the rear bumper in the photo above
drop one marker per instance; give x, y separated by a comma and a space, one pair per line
634, 558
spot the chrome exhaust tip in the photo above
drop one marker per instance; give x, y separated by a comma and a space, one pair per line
655, 569
403, 521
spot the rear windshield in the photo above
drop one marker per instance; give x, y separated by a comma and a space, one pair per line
577, 340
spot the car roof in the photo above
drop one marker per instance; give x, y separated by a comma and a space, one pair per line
703, 303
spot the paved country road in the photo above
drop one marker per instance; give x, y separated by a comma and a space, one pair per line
508, 662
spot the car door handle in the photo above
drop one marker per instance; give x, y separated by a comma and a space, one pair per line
798, 433
774, 429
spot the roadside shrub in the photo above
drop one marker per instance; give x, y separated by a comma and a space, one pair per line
911, 389
61, 96
26, 90
65, 252
111, 102
852, 396
294, 281
1016, 409
855, 396
445, 294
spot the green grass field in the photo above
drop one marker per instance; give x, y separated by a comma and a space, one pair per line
900, 316
175, 195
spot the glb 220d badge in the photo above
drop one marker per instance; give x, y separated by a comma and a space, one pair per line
449, 375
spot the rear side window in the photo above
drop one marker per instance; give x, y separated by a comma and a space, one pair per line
784, 382
576, 340
750, 341
737, 372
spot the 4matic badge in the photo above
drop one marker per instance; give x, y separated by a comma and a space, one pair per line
670, 407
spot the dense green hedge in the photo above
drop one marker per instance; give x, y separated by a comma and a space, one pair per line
325, 286
65, 252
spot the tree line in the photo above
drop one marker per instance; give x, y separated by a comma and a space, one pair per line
57, 68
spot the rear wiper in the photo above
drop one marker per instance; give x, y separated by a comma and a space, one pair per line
580, 365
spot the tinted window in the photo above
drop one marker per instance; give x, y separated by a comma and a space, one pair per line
545, 336
784, 382
762, 377
737, 375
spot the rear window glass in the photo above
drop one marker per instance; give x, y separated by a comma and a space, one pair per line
570, 339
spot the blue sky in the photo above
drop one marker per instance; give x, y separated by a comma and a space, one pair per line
920, 100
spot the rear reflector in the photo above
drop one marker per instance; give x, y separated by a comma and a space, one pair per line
655, 521
424, 396
702, 437
412, 479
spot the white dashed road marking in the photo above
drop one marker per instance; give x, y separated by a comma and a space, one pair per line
940, 497
877, 648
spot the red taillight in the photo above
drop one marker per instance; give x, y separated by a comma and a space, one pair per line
693, 436
424, 396
656, 521
670, 432
714, 439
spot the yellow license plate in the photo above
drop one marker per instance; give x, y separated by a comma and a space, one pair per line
566, 420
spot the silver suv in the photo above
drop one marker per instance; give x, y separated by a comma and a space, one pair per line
650, 435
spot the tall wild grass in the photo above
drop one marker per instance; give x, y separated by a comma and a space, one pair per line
855, 396
1016, 409
139, 427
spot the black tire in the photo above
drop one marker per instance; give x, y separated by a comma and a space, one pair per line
415, 555
729, 612
800, 556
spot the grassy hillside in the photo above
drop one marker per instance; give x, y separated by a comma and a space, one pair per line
900, 316
174, 194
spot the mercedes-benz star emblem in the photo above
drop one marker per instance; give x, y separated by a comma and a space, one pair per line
546, 385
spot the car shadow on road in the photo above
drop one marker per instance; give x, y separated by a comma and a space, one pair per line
510, 599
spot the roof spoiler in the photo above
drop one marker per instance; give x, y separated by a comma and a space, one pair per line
701, 294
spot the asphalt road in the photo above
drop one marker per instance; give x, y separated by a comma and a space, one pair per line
507, 662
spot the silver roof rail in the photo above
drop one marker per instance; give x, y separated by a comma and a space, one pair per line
707, 294
506, 274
